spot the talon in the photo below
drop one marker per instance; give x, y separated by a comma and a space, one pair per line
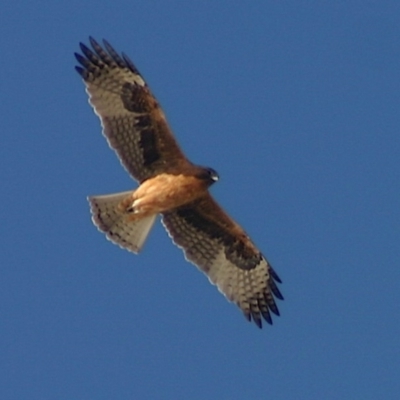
126, 205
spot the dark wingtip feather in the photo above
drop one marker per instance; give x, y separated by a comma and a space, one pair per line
90, 55
93, 42
102, 54
274, 274
275, 290
81, 71
274, 309
129, 63
114, 55
267, 316
257, 320
83, 47
82, 60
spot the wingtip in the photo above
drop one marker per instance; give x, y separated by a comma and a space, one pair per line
81, 60
277, 293
106, 43
82, 46
267, 317
93, 41
253, 318
258, 322
274, 275
276, 311
81, 71
129, 63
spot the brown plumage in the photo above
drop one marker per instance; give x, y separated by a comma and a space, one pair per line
170, 185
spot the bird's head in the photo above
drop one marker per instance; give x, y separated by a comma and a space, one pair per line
208, 174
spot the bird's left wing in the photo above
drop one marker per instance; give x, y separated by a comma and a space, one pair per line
220, 248
132, 119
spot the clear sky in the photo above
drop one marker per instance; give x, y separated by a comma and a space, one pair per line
296, 105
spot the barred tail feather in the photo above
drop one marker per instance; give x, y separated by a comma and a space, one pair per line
109, 220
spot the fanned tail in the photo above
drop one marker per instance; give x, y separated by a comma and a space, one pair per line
108, 219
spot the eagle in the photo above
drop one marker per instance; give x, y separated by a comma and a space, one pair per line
170, 186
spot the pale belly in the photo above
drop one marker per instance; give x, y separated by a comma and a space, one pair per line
162, 193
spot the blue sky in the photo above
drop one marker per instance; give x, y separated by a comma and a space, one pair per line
296, 105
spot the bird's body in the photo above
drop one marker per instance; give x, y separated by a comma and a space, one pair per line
169, 185
164, 192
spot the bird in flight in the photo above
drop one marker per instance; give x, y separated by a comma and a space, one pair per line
170, 185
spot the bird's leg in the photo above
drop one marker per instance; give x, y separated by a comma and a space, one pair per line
133, 208
127, 205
